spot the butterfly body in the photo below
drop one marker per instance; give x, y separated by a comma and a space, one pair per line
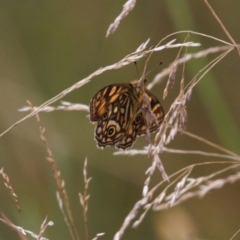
117, 110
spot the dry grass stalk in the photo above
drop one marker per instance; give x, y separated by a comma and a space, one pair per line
21, 232
177, 190
157, 163
203, 185
59, 181
62, 209
132, 152
176, 118
174, 122
127, 8
43, 227
214, 145
65, 106
171, 79
199, 76
98, 235
133, 57
190, 56
202, 153
64, 197
235, 234
83, 198
142, 204
159, 198
133, 213
8, 185
222, 26
184, 190
173, 71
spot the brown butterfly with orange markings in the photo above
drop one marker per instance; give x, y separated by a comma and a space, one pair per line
117, 110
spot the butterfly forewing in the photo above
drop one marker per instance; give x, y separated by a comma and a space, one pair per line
104, 97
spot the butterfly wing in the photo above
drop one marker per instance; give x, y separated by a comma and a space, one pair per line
157, 110
103, 98
130, 134
111, 125
111, 108
117, 109
138, 125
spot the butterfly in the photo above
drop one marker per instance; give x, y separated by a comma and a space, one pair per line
118, 111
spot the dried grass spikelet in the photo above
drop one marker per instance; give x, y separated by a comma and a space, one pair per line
43, 227
176, 118
59, 181
182, 118
64, 106
98, 235
127, 8
188, 96
156, 164
21, 232
171, 79
139, 53
8, 185
84, 198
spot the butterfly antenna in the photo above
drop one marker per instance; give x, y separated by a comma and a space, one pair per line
136, 66
145, 67
154, 68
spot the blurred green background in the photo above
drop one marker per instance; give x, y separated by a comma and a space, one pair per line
45, 47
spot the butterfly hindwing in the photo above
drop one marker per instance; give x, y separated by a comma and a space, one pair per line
131, 133
111, 125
